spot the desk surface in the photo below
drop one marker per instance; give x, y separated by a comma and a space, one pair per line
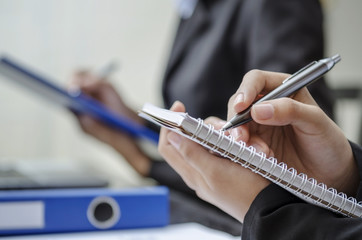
183, 231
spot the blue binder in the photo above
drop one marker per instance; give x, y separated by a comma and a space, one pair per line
76, 101
50, 211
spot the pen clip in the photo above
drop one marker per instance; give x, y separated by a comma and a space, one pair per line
301, 70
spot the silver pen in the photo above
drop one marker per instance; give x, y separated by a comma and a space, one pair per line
305, 76
106, 71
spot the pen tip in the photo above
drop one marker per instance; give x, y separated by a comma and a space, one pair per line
336, 58
226, 127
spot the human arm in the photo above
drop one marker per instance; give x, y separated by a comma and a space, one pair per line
278, 214
122, 142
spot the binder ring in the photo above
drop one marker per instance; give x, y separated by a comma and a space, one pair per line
103, 212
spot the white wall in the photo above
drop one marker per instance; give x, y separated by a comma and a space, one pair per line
343, 21
58, 36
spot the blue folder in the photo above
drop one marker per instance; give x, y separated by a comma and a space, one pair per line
74, 210
76, 101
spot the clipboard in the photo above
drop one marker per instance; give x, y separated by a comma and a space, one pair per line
75, 101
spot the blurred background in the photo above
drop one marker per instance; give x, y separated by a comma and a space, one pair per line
58, 37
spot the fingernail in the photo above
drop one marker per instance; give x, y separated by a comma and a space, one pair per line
174, 139
257, 147
73, 88
175, 103
221, 122
264, 111
239, 98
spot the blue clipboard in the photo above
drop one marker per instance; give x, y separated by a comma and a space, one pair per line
75, 101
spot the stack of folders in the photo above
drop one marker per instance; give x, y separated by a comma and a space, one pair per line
72, 210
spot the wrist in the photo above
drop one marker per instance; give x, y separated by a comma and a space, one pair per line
351, 176
129, 149
142, 164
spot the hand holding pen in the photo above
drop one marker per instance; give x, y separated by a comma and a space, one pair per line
304, 77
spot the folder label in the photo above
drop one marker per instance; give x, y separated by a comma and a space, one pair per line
22, 215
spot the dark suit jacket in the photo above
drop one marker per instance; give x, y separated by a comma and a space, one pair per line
277, 214
222, 41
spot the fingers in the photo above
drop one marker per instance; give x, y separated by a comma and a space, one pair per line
178, 107
215, 179
87, 82
216, 122
189, 152
255, 82
81, 79
242, 133
193, 153
188, 158
168, 149
284, 111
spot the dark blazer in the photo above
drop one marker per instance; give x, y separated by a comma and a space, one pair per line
223, 40
277, 214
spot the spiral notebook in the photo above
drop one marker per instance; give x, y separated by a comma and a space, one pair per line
300, 185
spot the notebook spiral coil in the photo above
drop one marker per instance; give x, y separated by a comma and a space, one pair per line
306, 188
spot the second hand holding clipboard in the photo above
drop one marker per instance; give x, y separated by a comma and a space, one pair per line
75, 100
